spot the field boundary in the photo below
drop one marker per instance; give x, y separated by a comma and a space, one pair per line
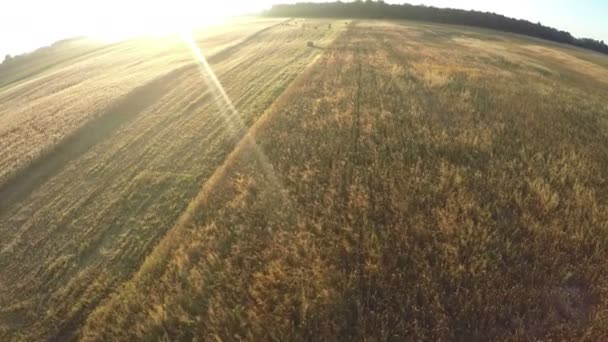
160, 252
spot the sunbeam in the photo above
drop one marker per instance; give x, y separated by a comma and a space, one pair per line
232, 117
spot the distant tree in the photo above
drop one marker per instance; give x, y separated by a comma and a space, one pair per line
7, 58
379, 9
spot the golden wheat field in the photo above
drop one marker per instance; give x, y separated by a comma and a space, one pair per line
395, 181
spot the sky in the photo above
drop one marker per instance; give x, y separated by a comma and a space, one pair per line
29, 24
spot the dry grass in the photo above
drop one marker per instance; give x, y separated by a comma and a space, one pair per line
566, 60
78, 221
387, 206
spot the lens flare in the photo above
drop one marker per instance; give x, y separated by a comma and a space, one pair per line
233, 119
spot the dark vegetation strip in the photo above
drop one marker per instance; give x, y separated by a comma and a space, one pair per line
381, 10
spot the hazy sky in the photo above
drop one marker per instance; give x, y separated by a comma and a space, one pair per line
28, 24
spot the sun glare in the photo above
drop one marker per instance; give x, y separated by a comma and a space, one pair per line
158, 18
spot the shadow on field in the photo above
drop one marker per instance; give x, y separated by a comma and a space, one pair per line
124, 110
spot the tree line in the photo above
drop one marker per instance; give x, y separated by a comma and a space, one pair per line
381, 10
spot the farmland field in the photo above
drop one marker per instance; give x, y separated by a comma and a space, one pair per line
396, 181
78, 221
